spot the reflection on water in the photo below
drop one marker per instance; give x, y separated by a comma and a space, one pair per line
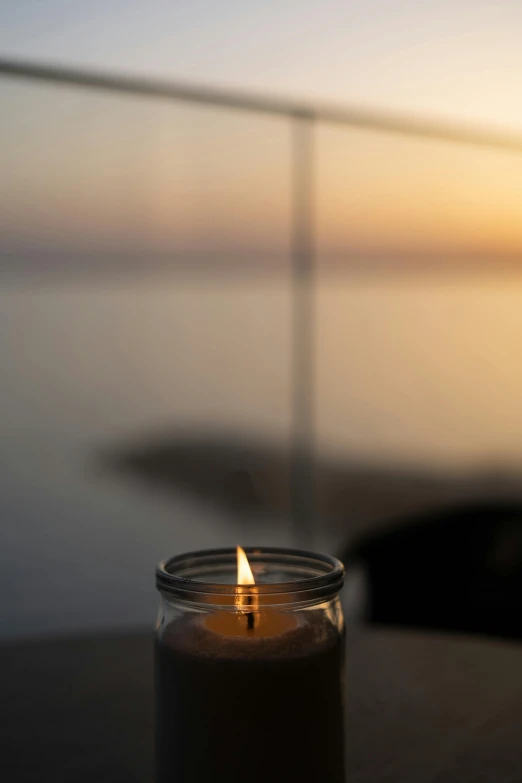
410, 372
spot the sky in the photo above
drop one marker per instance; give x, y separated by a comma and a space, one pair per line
461, 58
96, 173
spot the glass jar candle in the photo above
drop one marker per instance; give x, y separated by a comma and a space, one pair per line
249, 668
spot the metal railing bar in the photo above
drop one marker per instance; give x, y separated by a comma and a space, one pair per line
357, 117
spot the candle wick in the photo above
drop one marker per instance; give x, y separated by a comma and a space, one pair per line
250, 616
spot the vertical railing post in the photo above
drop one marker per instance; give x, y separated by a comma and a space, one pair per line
302, 489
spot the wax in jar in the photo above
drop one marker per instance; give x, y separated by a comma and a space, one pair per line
254, 699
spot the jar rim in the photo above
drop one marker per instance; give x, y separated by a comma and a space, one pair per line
325, 581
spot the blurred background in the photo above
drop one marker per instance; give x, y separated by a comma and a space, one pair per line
287, 320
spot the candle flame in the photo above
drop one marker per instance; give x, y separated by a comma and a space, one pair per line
244, 572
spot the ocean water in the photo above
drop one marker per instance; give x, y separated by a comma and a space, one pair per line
410, 370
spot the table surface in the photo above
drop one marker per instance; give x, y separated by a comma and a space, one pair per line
420, 708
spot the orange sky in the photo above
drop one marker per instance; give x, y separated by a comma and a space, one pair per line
85, 171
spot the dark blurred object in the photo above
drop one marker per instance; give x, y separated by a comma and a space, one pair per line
240, 475
249, 476
459, 569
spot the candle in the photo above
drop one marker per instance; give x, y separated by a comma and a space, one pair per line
249, 678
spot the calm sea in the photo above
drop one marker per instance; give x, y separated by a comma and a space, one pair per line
409, 371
